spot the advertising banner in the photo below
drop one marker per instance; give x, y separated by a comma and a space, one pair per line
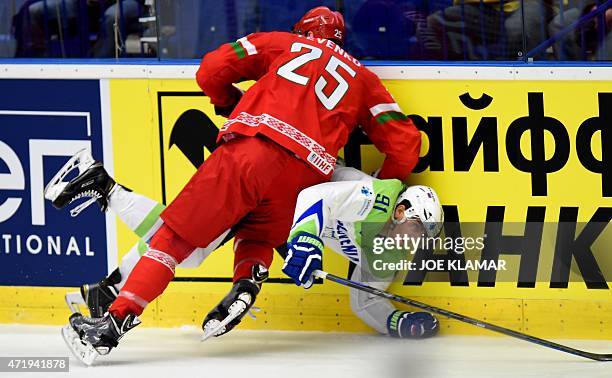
522, 167
515, 153
42, 124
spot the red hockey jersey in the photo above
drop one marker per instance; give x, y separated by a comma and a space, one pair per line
309, 96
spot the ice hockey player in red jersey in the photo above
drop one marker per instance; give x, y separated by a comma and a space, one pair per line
282, 135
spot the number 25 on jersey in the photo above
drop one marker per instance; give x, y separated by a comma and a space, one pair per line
288, 69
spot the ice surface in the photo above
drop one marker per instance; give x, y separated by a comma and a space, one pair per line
176, 353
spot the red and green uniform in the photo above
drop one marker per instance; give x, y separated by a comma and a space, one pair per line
282, 136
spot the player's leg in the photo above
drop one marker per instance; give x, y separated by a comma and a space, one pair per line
226, 187
142, 215
152, 273
88, 337
99, 296
380, 314
238, 177
265, 227
149, 278
252, 258
139, 213
223, 191
372, 310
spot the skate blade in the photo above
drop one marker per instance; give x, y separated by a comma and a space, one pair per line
81, 161
210, 332
236, 309
77, 210
252, 313
80, 350
73, 300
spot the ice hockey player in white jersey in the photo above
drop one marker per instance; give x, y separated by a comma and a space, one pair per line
346, 215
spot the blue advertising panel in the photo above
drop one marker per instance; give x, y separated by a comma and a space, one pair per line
42, 124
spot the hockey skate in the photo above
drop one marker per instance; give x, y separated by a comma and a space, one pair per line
97, 297
92, 182
236, 304
88, 338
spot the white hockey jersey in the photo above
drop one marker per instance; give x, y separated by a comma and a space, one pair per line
339, 211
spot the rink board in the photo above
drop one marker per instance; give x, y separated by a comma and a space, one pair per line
145, 106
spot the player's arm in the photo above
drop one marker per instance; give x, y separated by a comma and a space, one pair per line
345, 201
391, 131
349, 174
232, 63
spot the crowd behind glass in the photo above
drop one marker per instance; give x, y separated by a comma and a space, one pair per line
446, 30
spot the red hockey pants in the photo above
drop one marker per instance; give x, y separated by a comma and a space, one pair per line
250, 182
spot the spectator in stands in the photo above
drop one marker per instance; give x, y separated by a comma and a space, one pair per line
605, 48
105, 44
40, 21
584, 42
384, 29
487, 29
8, 44
536, 15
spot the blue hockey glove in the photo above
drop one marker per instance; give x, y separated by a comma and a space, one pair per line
412, 325
304, 257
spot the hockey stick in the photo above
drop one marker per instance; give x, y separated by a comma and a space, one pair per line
463, 318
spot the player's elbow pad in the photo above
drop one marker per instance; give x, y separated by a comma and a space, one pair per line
203, 79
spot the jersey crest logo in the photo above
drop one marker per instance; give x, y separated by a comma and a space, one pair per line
366, 191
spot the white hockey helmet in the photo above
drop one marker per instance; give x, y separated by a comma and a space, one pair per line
422, 202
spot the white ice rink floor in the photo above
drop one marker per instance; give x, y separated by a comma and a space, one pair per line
177, 353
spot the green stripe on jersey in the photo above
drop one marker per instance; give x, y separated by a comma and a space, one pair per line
142, 247
149, 220
238, 49
309, 227
390, 116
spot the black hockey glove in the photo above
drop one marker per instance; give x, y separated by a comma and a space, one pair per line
225, 111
